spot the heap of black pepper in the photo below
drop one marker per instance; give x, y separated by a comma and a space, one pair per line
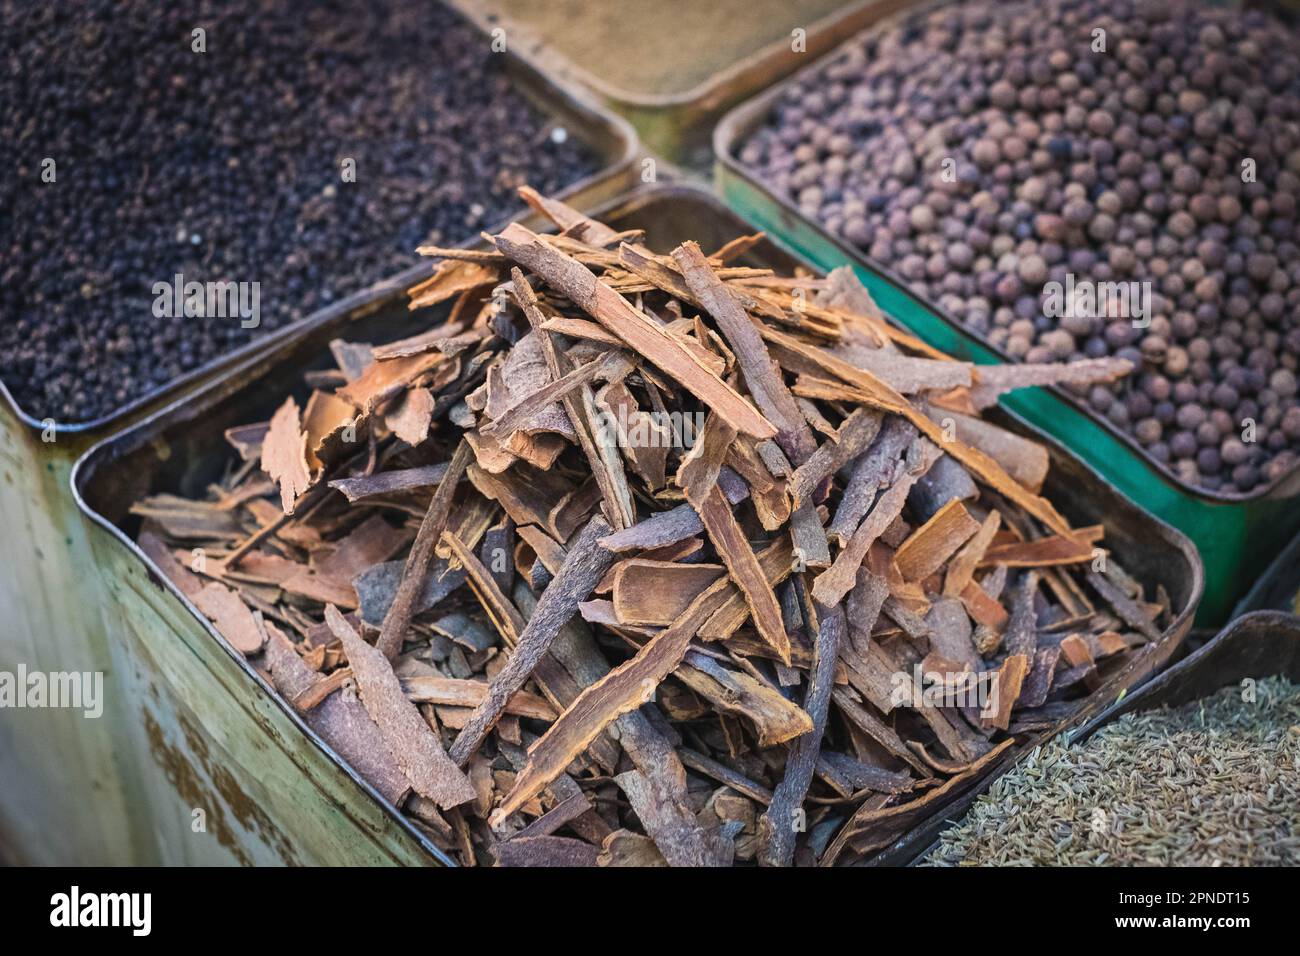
986, 149
228, 165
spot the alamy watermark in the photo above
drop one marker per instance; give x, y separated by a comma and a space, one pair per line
197, 300
1098, 300
73, 690
130, 910
928, 688
650, 429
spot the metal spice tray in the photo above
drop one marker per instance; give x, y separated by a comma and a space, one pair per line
193, 710
1237, 534
677, 125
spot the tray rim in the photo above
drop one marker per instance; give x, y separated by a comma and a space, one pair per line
1145, 698
1145, 694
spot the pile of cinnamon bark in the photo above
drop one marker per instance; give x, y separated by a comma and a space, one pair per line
638, 557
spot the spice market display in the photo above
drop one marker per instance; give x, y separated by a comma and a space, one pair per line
853, 434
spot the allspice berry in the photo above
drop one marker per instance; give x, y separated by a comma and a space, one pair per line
1119, 172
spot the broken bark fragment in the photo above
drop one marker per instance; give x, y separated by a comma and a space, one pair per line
997, 380
1007, 683
874, 469
852, 438
418, 751
545, 851
583, 568
342, 721
832, 584
744, 569
623, 689
761, 375
284, 455
1046, 552
1021, 636
642, 335
930, 546
388, 482
962, 567
654, 593
774, 718
777, 828
398, 617
232, 618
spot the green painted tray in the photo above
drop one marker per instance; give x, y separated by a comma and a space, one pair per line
1236, 534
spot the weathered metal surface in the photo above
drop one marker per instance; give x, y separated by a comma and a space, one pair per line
205, 726
224, 772
221, 771
61, 792
1237, 534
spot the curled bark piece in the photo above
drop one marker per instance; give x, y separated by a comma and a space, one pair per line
621, 690
340, 719
284, 455
744, 569
643, 336
832, 584
762, 376
874, 469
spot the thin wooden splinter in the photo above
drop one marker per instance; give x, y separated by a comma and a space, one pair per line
777, 827
398, 618
583, 568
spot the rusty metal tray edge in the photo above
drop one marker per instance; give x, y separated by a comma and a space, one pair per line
611, 137
1242, 629
164, 583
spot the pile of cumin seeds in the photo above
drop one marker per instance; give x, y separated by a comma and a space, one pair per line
1214, 782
